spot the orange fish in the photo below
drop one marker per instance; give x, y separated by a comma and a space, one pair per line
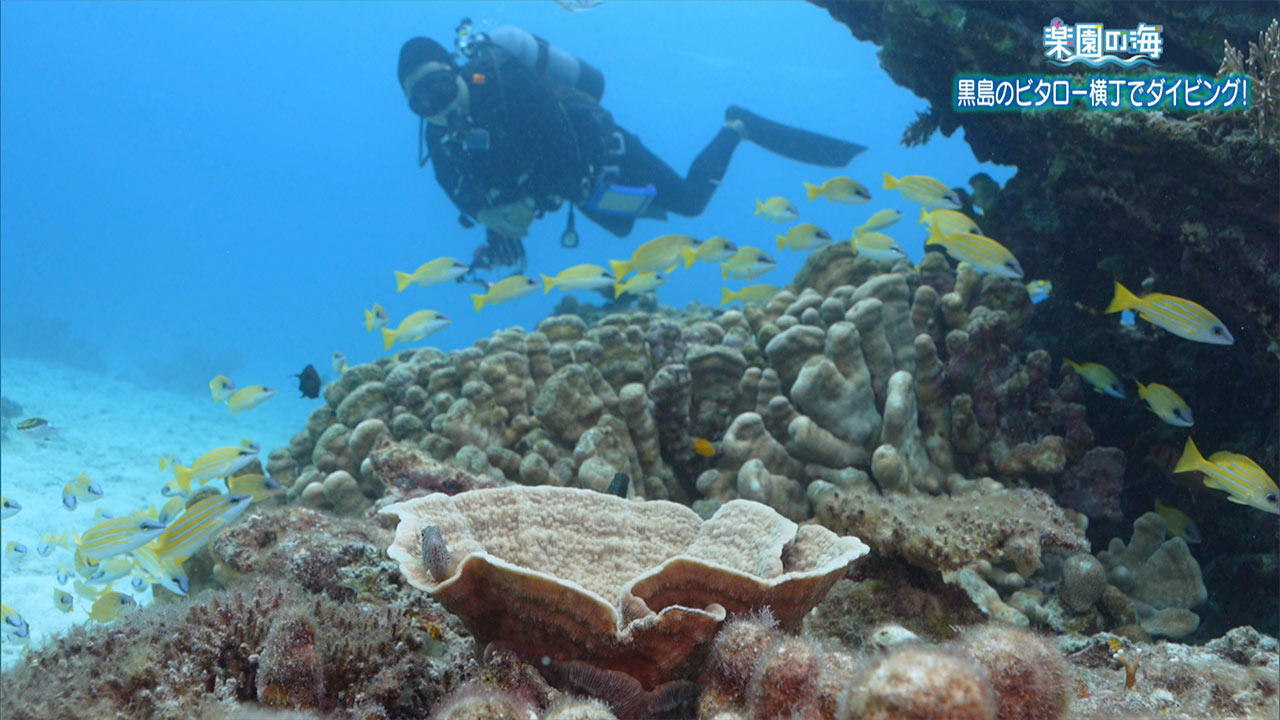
703, 447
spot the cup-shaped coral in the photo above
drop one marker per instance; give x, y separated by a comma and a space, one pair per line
564, 574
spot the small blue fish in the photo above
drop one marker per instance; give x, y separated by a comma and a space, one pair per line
9, 507
1039, 290
63, 600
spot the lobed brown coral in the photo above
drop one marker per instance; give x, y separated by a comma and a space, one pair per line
639, 588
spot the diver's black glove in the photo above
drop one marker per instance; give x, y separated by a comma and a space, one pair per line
502, 250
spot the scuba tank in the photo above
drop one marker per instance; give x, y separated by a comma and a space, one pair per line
537, 55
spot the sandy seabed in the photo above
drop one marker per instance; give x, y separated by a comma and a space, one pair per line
115, 431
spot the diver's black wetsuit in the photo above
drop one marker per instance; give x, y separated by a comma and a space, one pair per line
553, 146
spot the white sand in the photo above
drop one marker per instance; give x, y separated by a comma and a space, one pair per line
113, 430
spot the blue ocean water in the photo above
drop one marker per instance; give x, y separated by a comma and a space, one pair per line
199, 188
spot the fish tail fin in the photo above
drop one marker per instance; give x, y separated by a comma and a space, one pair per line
1123, 300
547, 283
619, 267
924, 215
182, 475
388, 338
935, 236
402, 280
164, 463
724, 271
781, 241
477, 301
368, 321
1191, 458
759, 207
618, 289
727, 296
690, 257
814, 190
890, 182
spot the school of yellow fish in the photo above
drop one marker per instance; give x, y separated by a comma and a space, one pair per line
652, 263
145, 546
150, 546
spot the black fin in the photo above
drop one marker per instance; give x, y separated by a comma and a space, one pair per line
802, 145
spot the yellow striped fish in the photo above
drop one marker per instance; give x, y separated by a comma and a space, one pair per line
194, 528
440, 270
948, 222
111, 570
162, 569
221, 387
1166, 404
15, 552
1243, 480
111, 606
505, 290
1179, 316
375, 318
63, 600
748, 294
929, 192
643, 282
983, 253
171, 509
415, 326
776, 209
661, 253
84, 567
1098, 377
878, 221
219, 462
117, 536
13, 624
50, 542
712, 250
805, 236
259, 487
878, 247
748, 263
578, 277
82, 489
249, 398
840, 189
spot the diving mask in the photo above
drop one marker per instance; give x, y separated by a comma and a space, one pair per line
432, 93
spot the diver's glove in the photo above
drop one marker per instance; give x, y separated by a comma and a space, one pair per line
512, 220
501, 250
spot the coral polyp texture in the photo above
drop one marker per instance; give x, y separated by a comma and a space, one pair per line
568, 575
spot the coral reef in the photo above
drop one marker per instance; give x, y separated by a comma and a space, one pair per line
263, 642
636, 588
1082, 173
1160, 576
1263, 68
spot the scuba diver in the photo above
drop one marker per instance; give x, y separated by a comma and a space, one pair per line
518, 131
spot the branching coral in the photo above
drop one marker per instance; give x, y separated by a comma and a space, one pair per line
1263, 68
